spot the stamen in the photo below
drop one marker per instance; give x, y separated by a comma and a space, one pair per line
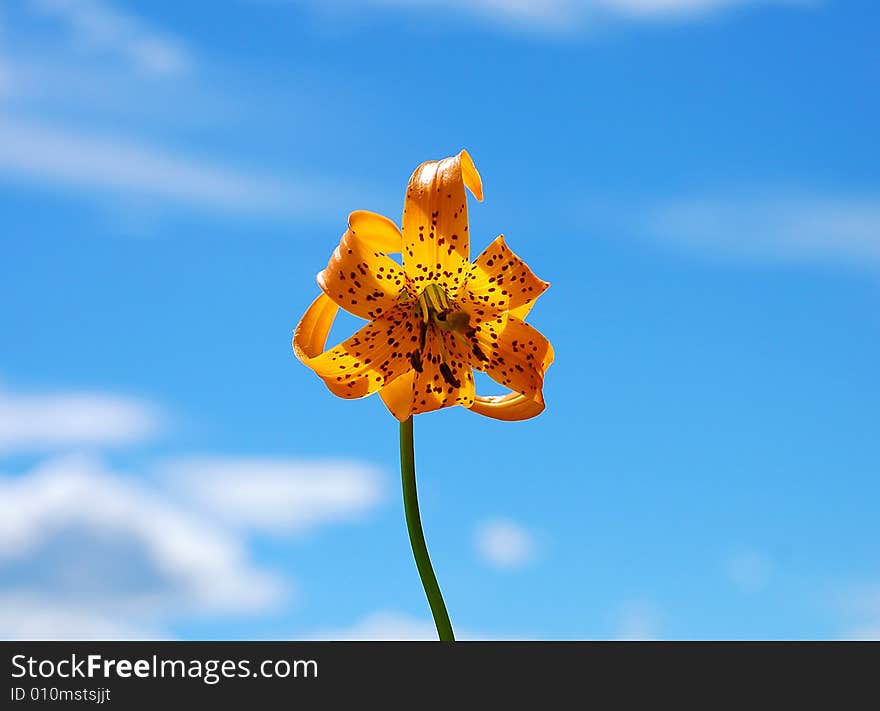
423, 305
436, 296
437, 310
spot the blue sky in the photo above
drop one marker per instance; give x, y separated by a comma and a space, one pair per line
696, 178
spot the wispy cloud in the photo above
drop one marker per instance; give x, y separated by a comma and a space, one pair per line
99, 28
860, 606
89, 552
74, 123
505, 544
560, 16
749, 570
277, 495
37, 153
90, 544
863, 633
39, 422
389, 626
380, 626
637, 620
781, 227
24, 617
664, 9
863, 600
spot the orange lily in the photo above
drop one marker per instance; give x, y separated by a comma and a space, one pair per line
434, 318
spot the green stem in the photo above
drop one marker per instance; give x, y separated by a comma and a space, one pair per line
417, 537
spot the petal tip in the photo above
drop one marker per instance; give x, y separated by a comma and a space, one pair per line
470, 175
512, 407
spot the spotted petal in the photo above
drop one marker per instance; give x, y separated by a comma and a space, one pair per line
444, 376
435, 221
515, 406
373, 357
516, 357
359, 276
501, 280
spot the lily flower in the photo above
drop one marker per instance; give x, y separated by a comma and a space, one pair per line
434, 317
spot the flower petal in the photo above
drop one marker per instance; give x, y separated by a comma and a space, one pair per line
444, 377
435, 221
522, 311
502, 280
511, 407
514, 406
373, 357
482, 313
398, 395
376, 231
517, 357
313, 328
359, 276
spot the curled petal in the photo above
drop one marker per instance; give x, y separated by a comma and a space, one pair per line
373, 357
501, 279
516, 406
376, 231
516, 357
470, 175
311, 332
435, 221
359, 276
511, 407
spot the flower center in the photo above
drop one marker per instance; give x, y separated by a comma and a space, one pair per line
437, 309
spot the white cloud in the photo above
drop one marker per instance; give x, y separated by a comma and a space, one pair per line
637, 620
90, 553
78, 124
380, 627
566, 15
93, 548
863, 633
389, 626
776, 228
35, 152
505, 544
98, 28
863, 600
663, 9
29, 618
31, 422
277, 495
748, 570
860, 604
